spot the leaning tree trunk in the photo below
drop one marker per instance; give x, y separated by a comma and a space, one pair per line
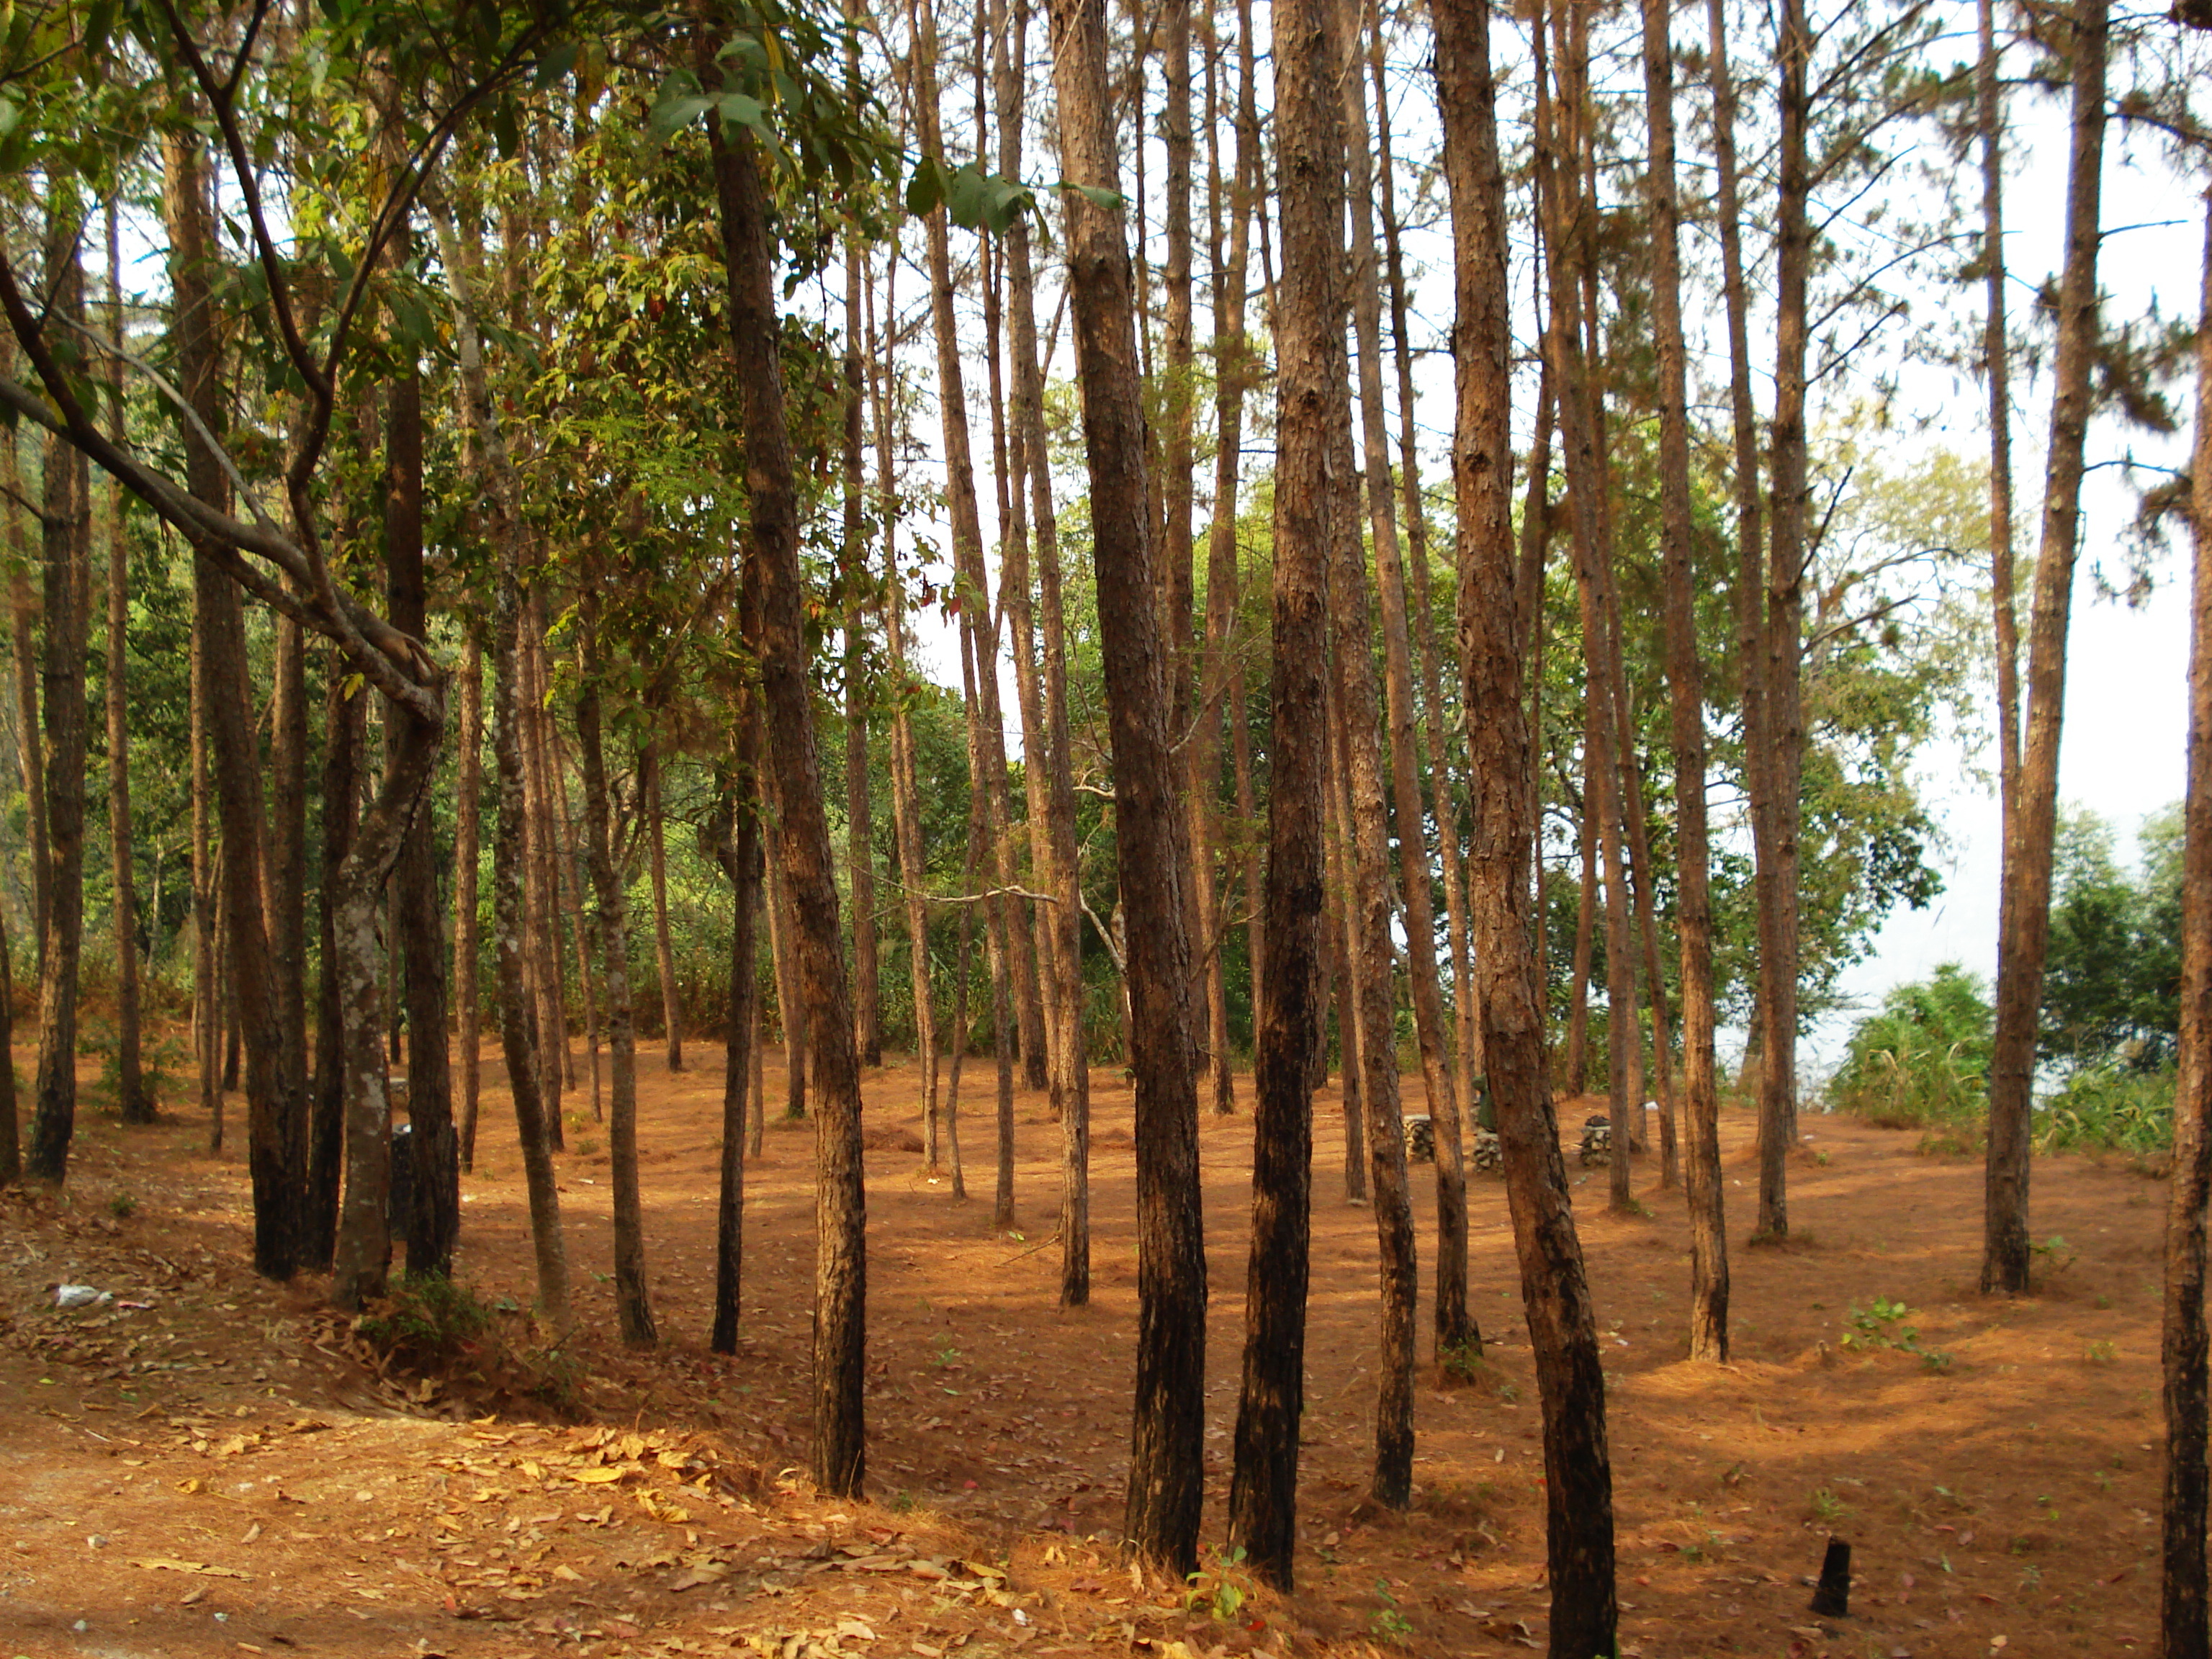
1166, 1463
1700, 1095
1263, 1489
510, 876
2024, 909
1562, 1324
840, 1261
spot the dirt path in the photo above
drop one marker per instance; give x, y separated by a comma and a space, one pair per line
217, 1472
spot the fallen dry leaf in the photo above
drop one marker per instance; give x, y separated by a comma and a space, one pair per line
165, 1563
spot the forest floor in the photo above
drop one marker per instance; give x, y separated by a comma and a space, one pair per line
205, 1465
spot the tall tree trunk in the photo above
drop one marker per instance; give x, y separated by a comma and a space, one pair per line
1996, 364
1166, 1464
737, 845
276, 1103
986, 740
1693, 919
840, 1285
460, 254
2024, 911
133, 1101
468, 792
1568, 217
633, 1297
574, 873
1233, 370
1456, 1329
1452, 856
1578, 1068
1263, 1489
343, 741
790, 1003
556, 1066
859, 842
435, 1148
1562, 1326
1786, 562
65, 514
2187, 1350
1750, 535
207, 991
22, 620
1350, 964
1056, 852
656, 850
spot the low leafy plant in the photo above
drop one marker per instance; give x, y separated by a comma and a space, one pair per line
427, 1322
1389, 1624
1882, 1326
1221, 1590
2112, 1105
1923, 1062
122, 1206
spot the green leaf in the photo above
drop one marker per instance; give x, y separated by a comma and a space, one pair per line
556, 64
740, 111
925, 189
1097, 195
673, 112
966, 197
506, 130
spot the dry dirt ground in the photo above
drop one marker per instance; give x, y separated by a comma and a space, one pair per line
205, 1465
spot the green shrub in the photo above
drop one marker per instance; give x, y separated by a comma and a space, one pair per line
2111, 1104
1924, 1061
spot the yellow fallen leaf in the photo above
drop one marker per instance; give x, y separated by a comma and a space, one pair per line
568, 1574
165, 1563
595, 1477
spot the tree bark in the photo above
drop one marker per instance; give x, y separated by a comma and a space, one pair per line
510, 861
1783, 749
656, 849
2024, 909
840, 1315
1997, 365
1693, 920
1562, 1326
790, 1004
1455, 1330
1166, 1464
65, 514
343, 741
860, 840
2187, 1351
633, 1297
737, 845
468, 792
133, 1101
1263, 1490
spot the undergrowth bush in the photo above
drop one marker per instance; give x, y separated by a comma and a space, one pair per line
2111, 1104
1923, 1062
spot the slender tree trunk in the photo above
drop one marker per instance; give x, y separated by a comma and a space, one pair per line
468, 792
1456, 1329
633, 1297
1785, 608
2187, 1351
1350, 965
1693, 920
737, 845
839, 1306
1577, 1070
23, 617
133, 1101
510, 875
1996, 364
859, 841
656, 847
65, 513
1562, 1326
434, 1145
343, 741
275, 1099
790, 1004
574, 875
2024, 912
1166, 1464
11, 1134
1750, 535
1467, 1053
557, 1067
1567, 216
207, 992
1263, 1490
